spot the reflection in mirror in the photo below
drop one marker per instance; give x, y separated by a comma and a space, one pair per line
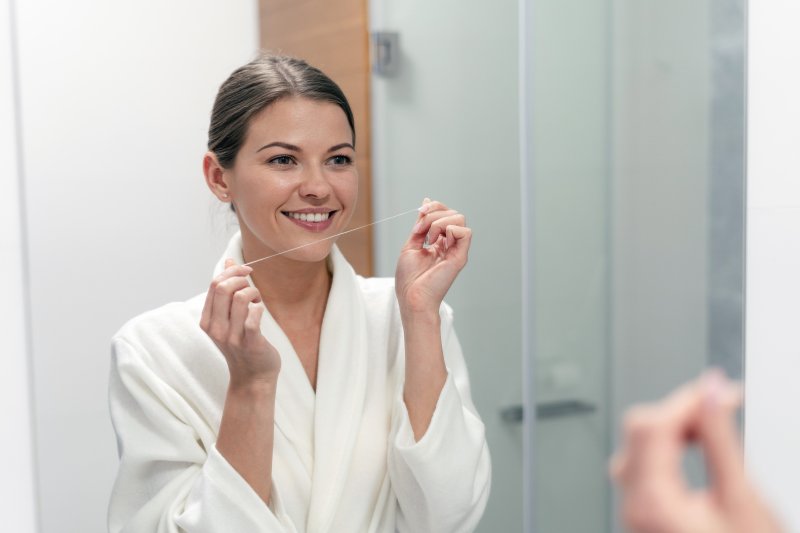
445, 125
637, 121
628, 232
635, 156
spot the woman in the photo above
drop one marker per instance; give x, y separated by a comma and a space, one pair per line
294, 395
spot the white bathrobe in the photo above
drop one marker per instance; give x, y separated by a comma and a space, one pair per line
345, 458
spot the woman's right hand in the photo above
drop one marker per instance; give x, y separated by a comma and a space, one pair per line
232, 318
655, 496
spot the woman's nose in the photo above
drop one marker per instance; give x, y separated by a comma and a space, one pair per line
315, 184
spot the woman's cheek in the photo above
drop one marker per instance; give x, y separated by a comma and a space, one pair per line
354, 189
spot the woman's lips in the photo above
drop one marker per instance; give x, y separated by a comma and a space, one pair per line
315, 222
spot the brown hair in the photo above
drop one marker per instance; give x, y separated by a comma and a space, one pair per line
258, 84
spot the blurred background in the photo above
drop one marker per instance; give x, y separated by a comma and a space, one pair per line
597, 149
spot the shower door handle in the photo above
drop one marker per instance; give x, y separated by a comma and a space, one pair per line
545, 410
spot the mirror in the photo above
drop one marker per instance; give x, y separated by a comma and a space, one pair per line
629, 232
597, 150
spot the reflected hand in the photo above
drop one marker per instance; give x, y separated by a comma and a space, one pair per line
232, 318
425, 274
656, 498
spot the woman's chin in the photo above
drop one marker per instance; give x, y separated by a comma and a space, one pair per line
313, 253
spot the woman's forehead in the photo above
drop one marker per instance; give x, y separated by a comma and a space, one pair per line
297, 119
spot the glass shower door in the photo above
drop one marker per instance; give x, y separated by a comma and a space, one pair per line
566, 68
597, 151
444, 126
633, 155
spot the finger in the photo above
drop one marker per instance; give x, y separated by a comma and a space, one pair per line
657, 435
649, 466
437, 247
653, 447
231, 269
425, 221
440, 223
719, 436
616, 466
418, 234
429, 206
636, 436
458, 238
221, 306
252, 324
239, 311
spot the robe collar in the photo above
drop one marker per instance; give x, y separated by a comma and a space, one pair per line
323, 427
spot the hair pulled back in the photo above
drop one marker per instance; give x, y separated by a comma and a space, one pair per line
258, 84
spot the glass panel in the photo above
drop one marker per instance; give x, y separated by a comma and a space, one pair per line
633, 154
445, 126
571, 257
637, 179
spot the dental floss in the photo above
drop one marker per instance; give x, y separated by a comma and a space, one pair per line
334, 236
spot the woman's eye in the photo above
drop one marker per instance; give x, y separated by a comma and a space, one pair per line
281, 160
341, 160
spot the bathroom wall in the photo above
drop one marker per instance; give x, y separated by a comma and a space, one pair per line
772, 419
115, 101
17, 482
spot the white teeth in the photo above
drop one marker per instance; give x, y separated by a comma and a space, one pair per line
310, 217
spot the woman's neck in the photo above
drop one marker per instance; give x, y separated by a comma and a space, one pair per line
295, 292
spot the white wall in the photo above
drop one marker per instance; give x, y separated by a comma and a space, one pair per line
17, 491
772, 417
115, 101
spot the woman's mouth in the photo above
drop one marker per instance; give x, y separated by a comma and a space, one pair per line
311, 220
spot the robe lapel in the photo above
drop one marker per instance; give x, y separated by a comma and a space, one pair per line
341, 388
294, 399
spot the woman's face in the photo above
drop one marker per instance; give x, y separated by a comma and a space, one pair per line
294, 180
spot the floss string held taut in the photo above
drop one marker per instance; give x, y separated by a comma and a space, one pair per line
416, 209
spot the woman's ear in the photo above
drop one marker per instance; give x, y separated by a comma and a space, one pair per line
216, 177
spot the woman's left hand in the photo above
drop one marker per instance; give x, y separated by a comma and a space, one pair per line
425, 274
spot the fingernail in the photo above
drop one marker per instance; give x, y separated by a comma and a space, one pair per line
424, 208
417, 228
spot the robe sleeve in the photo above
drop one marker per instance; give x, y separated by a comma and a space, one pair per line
441, 482
168, 481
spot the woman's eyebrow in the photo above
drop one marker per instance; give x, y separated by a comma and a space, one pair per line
340, 146
281, 145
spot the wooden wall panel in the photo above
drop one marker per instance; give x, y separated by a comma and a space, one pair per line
333, 36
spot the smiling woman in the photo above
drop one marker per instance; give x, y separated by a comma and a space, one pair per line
277, 183
295, 395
